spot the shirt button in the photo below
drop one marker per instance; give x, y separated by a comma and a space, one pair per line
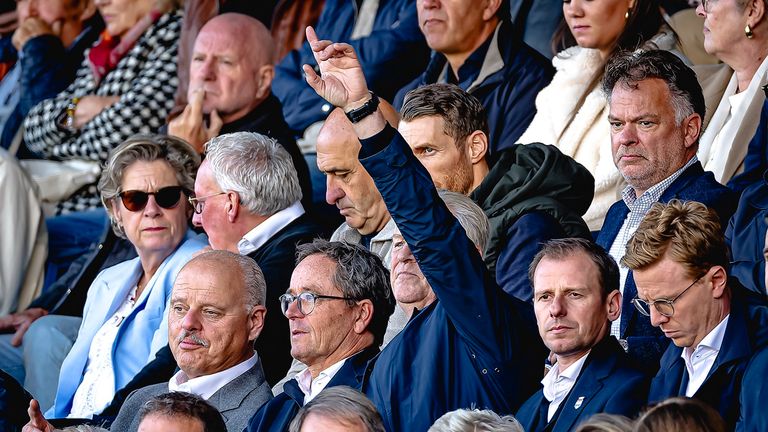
325, 108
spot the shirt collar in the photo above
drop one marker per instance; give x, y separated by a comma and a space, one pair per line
554, 377
205, 386
259, 235
712, 341
653, 194
311, 387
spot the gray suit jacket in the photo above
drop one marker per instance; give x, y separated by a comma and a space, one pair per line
236, 401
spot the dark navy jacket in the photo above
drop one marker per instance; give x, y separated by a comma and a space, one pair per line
754, 393
14, 401
646, 343
474, 346
47, 68
744, 334
609, 382
392, 55
746, 237
511, 76
276, 415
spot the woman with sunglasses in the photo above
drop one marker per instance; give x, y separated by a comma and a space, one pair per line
145, 188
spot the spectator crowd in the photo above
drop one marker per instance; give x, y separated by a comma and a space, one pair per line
383, 215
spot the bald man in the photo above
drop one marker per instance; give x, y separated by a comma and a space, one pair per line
230, 89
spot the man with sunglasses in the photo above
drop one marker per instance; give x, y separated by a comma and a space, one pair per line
338, 306
680, 264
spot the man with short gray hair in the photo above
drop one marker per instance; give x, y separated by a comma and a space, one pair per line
341, 406
248, 202
338, 306
216, 313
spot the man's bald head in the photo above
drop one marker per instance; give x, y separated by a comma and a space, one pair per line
235, 75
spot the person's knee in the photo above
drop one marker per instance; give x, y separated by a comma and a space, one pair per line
52, 330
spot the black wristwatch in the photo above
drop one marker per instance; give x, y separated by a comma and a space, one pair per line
364, 111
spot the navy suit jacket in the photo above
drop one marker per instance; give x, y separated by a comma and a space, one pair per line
277, 414
609, 382
754, 393
646, 343
744, 334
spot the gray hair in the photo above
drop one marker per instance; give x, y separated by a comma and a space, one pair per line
179, 155
560, 249
82, 428
183, 404
470, 216
629, 68
257, 167
252, 276
603, 422
475, 420
360, 275
344, 405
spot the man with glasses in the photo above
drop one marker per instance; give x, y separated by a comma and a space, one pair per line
247, 200
576, 297
680, 264
338, 306
656, 109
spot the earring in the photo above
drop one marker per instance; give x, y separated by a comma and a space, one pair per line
626, 14
748, 32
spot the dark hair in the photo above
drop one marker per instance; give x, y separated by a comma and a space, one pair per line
629, 68
360, 275
680, 414
559, 249
461, 112
344, 405
182, 404
643, 23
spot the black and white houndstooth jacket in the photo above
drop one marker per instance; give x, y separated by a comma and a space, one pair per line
145, 79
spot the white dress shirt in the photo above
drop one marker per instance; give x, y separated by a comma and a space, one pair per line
205, 386
699, 361
558, 384
312, 387
258, 236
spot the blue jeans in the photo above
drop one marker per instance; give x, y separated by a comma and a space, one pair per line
70, 236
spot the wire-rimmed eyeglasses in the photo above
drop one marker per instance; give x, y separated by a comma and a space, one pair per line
663, 306
306, 301
198, 203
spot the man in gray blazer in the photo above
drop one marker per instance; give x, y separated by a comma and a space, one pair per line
217, 311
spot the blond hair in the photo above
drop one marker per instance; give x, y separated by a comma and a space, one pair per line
687, 231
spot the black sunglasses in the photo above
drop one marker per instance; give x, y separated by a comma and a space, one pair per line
136, 200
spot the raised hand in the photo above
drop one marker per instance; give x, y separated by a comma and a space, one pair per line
341, 81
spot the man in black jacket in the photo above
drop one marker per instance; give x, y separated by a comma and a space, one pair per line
230, 89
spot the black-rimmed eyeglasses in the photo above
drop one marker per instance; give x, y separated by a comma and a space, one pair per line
663, 306
306, 301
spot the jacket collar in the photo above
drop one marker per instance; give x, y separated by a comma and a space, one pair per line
600, 364
231, 396
351, 374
